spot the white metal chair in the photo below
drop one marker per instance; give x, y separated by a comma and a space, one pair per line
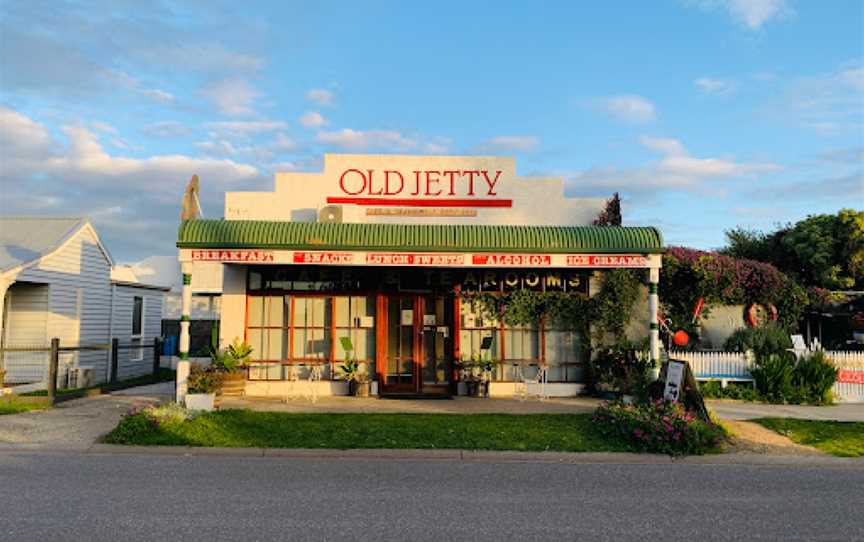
292, 383
314, 376
538, 383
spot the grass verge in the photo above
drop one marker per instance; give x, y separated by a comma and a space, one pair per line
246, 428
10, 404
843, 439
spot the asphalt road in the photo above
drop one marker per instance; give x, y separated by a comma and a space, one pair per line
74, 496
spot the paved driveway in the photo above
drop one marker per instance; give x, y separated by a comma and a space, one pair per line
740, 410
76, 424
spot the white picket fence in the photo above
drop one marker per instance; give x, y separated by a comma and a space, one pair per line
735, 367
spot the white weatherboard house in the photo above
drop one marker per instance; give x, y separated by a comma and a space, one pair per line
57, 280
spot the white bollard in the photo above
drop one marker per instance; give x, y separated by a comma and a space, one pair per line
182, 382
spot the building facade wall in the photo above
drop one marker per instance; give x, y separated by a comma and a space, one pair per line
79, 299
136, 361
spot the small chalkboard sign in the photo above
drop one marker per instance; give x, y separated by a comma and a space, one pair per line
674, 374
486, 344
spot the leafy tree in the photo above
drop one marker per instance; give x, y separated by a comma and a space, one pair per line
825, 251
830, 249
611, 214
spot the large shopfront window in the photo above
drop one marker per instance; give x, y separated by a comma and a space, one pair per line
291, 333
522, 347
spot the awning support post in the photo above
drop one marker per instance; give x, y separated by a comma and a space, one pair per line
653, 309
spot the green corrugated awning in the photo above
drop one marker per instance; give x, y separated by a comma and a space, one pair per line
418, 237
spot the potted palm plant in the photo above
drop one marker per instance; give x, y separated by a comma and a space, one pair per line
202, 386
354, 372
231, 362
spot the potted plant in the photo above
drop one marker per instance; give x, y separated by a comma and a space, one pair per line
231, 362
354, 372
202, 386
486, 366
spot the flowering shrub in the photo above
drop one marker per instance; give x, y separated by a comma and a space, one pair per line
143, 420
658, 427
689, 274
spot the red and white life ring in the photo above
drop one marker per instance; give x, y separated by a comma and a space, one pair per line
758, 315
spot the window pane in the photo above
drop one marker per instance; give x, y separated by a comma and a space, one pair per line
274, 309
256, 311
344, 317
255, 342
277, 348
137, 314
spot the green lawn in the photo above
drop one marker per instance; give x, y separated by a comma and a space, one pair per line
246, 428
12, 405
843, 439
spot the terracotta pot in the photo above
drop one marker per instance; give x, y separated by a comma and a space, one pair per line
359, 389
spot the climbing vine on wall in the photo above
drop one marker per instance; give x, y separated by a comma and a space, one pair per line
607, 313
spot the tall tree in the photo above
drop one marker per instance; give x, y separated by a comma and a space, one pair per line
611, 214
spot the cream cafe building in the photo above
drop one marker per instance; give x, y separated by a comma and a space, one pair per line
382, 250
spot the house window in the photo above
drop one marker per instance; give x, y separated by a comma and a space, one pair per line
136, 352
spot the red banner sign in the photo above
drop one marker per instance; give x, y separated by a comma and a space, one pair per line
402, 258
336, 258
584, 260
219, 255
847, 376
522, 260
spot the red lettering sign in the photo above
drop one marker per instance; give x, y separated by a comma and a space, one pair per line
225, 255
521, 260
421, 188
401, 258
847, 376
589, 260
335, 258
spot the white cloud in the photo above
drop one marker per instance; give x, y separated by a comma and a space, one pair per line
158, 95
233, 97
752, 14
283, 143
321, 96
629, 108
133, 201
510, 144
168, 128
675, 170
201, 57
313, 119
247, 127
361, 140
828, 103
710, 85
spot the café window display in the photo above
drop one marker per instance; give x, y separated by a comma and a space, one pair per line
523, 346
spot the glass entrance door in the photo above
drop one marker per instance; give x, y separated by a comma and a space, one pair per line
437, 344
418, 357
401, 358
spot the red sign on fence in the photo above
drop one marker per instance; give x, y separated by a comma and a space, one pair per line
847, 376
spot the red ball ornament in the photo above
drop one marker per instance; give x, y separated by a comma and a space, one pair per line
680, 338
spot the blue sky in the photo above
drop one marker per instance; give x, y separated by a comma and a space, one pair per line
704, 114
